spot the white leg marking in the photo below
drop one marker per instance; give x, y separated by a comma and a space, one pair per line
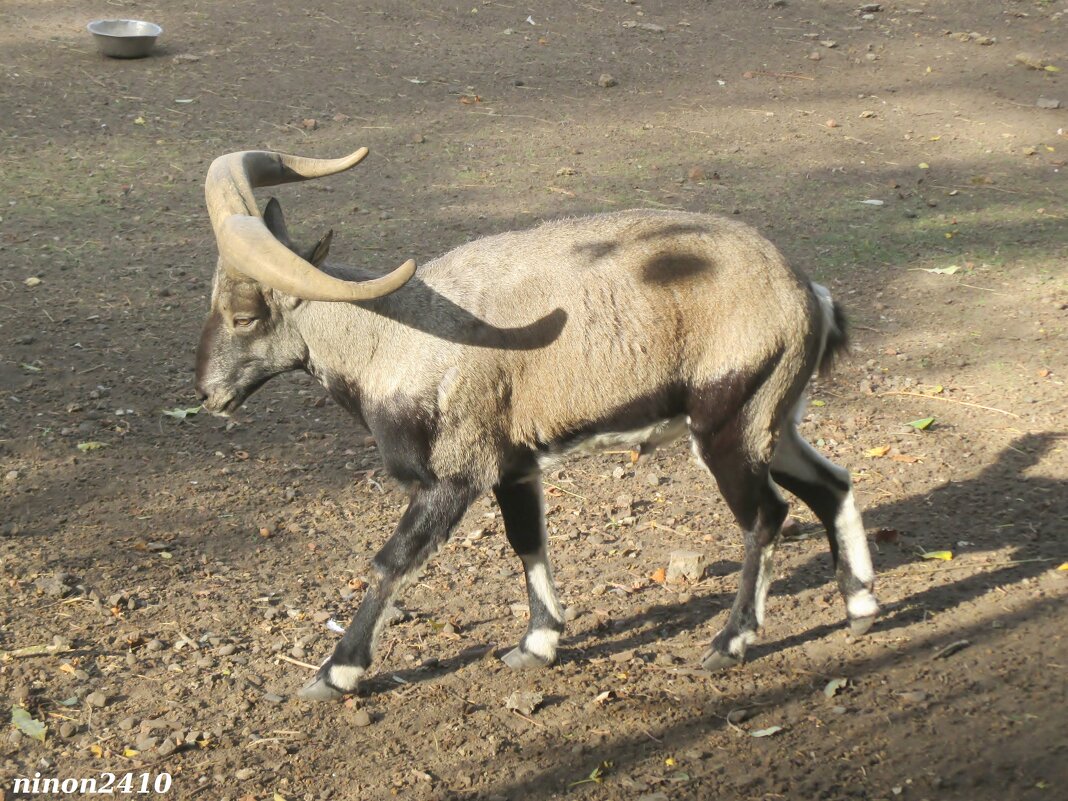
763, 582
542, 642
345, 676
862, 604
541, 583
852, 540
738, 644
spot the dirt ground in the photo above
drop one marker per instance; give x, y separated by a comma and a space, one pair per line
181, 570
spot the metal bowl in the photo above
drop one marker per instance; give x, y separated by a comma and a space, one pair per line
124, 38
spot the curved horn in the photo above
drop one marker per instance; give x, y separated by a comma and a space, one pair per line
247, 246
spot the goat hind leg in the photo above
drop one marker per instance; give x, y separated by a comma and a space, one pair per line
524, 523
827, 489
424, 527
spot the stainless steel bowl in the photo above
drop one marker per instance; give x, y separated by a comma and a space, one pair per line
124, 38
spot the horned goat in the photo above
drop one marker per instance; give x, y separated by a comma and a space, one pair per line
515, 350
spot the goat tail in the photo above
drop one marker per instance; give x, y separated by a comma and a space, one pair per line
835, 340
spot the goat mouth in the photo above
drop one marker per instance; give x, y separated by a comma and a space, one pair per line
222, 407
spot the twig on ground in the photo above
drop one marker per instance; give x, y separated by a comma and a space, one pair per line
950, 400
293, 661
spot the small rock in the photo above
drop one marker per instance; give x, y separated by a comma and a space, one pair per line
571, 613
622, 656
244, 774
361, 718
226, 650
618, 473
126, 724
695, 174
736, 716
831, 124
1031, 61
154, 645
815, 55
167, 747
97, 699
524, 702
146, 742
21, 693
67, 729
830, 44
1042, 102
606, 81
685, 565
186, 58
870, 8
13, 475
273, 698
418, 139
913, 696
309, 124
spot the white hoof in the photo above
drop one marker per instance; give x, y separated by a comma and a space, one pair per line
318, 690
518, 659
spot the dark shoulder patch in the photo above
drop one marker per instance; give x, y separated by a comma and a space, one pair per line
404, 434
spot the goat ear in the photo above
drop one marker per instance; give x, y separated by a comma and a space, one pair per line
321, 250
276, 222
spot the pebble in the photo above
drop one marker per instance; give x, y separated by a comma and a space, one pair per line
146, 742
244, 773
97, 699
871, 8
688, 565
126, 724
623, 656
167, 747
11, 475
619, 472
571, 613
21, 693
226, 650
606, 81
67, 729
273, 698
361, 718
154, 645
1042, 102
738, 715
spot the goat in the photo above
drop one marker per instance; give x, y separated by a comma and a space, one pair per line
516, 350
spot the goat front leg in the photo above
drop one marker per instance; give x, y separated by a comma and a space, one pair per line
524, 524
433, 511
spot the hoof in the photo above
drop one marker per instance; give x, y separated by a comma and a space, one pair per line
714, 660
518, 659
860, 625
318, 690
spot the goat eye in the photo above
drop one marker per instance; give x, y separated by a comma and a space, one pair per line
243, 322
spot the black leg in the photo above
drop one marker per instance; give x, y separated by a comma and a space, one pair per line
524, 523
432, 513
760, 511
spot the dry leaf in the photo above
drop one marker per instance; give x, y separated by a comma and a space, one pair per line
905, 458
659, 575
887, 535
943, 556
881, 450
